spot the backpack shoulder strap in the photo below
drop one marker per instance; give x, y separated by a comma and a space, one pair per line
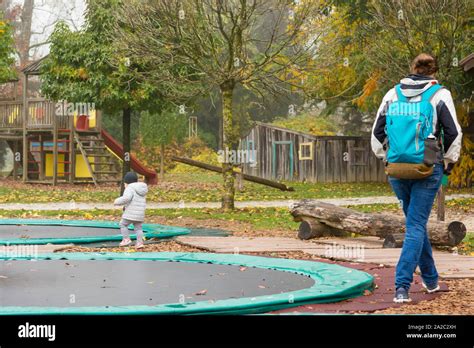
400, 96
430, 92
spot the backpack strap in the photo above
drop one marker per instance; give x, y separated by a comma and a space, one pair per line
430, 92
400, 96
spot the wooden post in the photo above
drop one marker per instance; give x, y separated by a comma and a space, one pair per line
239, 180
15, 163
126, 119
441, 206
255, 179
55, 149
162, 162
72, 150
25, 135
42, 157
98, 120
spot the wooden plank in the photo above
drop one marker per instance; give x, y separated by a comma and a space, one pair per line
319, 163
351, 175
344, 150
330, 161
72, 148
337, 161
245, 244
55, 150
86, 158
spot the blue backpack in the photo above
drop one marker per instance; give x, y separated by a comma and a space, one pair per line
408, 125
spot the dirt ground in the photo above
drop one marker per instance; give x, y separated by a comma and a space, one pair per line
170, 246
458, 300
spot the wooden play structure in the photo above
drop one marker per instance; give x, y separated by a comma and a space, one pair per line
53, 142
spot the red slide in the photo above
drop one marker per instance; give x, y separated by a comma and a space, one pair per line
117, 148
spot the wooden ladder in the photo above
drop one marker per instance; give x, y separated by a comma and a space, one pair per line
104, 167
78, 141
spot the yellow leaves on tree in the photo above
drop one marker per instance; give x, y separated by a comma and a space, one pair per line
82, 74
370, 87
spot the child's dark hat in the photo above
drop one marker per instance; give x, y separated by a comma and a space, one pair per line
130, 177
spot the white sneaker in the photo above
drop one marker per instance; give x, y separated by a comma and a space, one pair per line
430, 290
125, 242
139, 245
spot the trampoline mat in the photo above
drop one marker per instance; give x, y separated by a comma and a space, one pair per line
51, 231
55, 283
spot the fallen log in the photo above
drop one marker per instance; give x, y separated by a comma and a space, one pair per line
247, 177
313, 214
394, 240
310, 228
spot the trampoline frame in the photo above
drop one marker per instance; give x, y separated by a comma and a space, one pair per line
149, 230
348, 282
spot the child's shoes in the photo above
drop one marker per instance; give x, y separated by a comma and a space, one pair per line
125, 242
139, 245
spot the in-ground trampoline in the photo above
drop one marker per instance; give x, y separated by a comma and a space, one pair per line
169, 283
44, 231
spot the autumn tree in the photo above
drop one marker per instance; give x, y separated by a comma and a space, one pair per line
83, 66
160, 128
261, 45
365, 48
6, 51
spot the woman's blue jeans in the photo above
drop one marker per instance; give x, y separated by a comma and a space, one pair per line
417, 197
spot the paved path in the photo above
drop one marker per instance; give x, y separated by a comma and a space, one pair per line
363, 249
177, 205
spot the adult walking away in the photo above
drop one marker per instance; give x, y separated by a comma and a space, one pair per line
417, 134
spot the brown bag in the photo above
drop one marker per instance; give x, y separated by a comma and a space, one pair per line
408, 170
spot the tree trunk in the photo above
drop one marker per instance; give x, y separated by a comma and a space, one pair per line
23, 41
227, 142
348, 220
311, 228
126, 120
162, 162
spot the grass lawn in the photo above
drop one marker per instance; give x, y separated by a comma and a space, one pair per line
190, 188
258, 218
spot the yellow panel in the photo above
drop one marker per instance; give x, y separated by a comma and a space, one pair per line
49, 161
81, 167
92, 118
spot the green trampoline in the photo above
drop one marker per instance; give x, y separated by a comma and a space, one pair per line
169, 283
44, 231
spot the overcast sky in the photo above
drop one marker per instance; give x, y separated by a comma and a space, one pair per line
48, 12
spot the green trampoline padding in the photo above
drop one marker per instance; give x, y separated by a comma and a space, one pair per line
332, 283
149, 230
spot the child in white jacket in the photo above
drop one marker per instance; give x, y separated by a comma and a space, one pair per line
134, 202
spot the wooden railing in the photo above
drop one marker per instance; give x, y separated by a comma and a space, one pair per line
42, 114
11, 114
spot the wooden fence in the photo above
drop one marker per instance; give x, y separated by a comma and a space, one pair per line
279, 153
